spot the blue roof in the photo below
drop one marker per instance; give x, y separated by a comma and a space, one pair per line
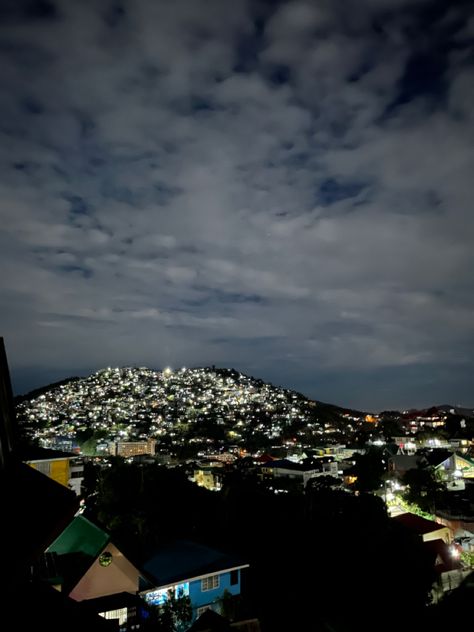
182, 560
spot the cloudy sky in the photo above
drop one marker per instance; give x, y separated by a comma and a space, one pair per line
281, 187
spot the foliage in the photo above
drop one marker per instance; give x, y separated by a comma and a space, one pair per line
231, 605
414, 508
369, 469
91, 477
174, 615
325, 482
467, 558
391, 428
422, 488
345, 536
142, 504
88, 439
342, 535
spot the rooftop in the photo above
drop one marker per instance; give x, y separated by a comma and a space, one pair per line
80, 536
32, 453
285, 464
418, 524
182, 559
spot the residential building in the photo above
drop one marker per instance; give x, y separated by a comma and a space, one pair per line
447, 566
304, 471
206, 575
450, 467
86, 565
438, 544
63, 467
427, 530
132, 448
123, 609
208, 474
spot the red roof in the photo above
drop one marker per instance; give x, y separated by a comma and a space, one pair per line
417, 523
265, 458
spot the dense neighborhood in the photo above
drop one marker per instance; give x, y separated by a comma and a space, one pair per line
188, 479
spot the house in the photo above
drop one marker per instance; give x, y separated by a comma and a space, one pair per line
86, 565
208, 474
445, 558
438, 544
303, 471
460, 445
451, 468
127, 449
206, 575
64, 443
464, 465
123, 609
447, 566
63, 467
427, 529
406, 445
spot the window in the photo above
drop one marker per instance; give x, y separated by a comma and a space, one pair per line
209, 583
44, 467
234, 577
202, 610
120, 614
160, 596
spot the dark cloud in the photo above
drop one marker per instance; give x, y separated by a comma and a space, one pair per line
282, 187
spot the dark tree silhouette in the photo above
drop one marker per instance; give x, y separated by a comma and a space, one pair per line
422, 487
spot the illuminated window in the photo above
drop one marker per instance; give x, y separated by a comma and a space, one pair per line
120, 614
160, 596
209, 583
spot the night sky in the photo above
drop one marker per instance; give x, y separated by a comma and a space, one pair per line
281, 187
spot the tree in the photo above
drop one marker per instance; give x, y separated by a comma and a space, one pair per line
90, 480
176, 613
422, 487
138, 505
391, 428
325, 482
231, 604
369, 469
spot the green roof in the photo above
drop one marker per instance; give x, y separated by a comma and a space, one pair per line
81, 536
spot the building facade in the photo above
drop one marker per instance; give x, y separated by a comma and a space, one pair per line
208, 577
127, 449
66, 469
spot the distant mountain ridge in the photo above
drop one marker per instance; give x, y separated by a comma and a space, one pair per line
36, 392
444, 408
458, 410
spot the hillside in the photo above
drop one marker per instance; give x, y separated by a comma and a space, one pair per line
198, 405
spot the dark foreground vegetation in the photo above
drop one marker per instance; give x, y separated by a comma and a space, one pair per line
320, 560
